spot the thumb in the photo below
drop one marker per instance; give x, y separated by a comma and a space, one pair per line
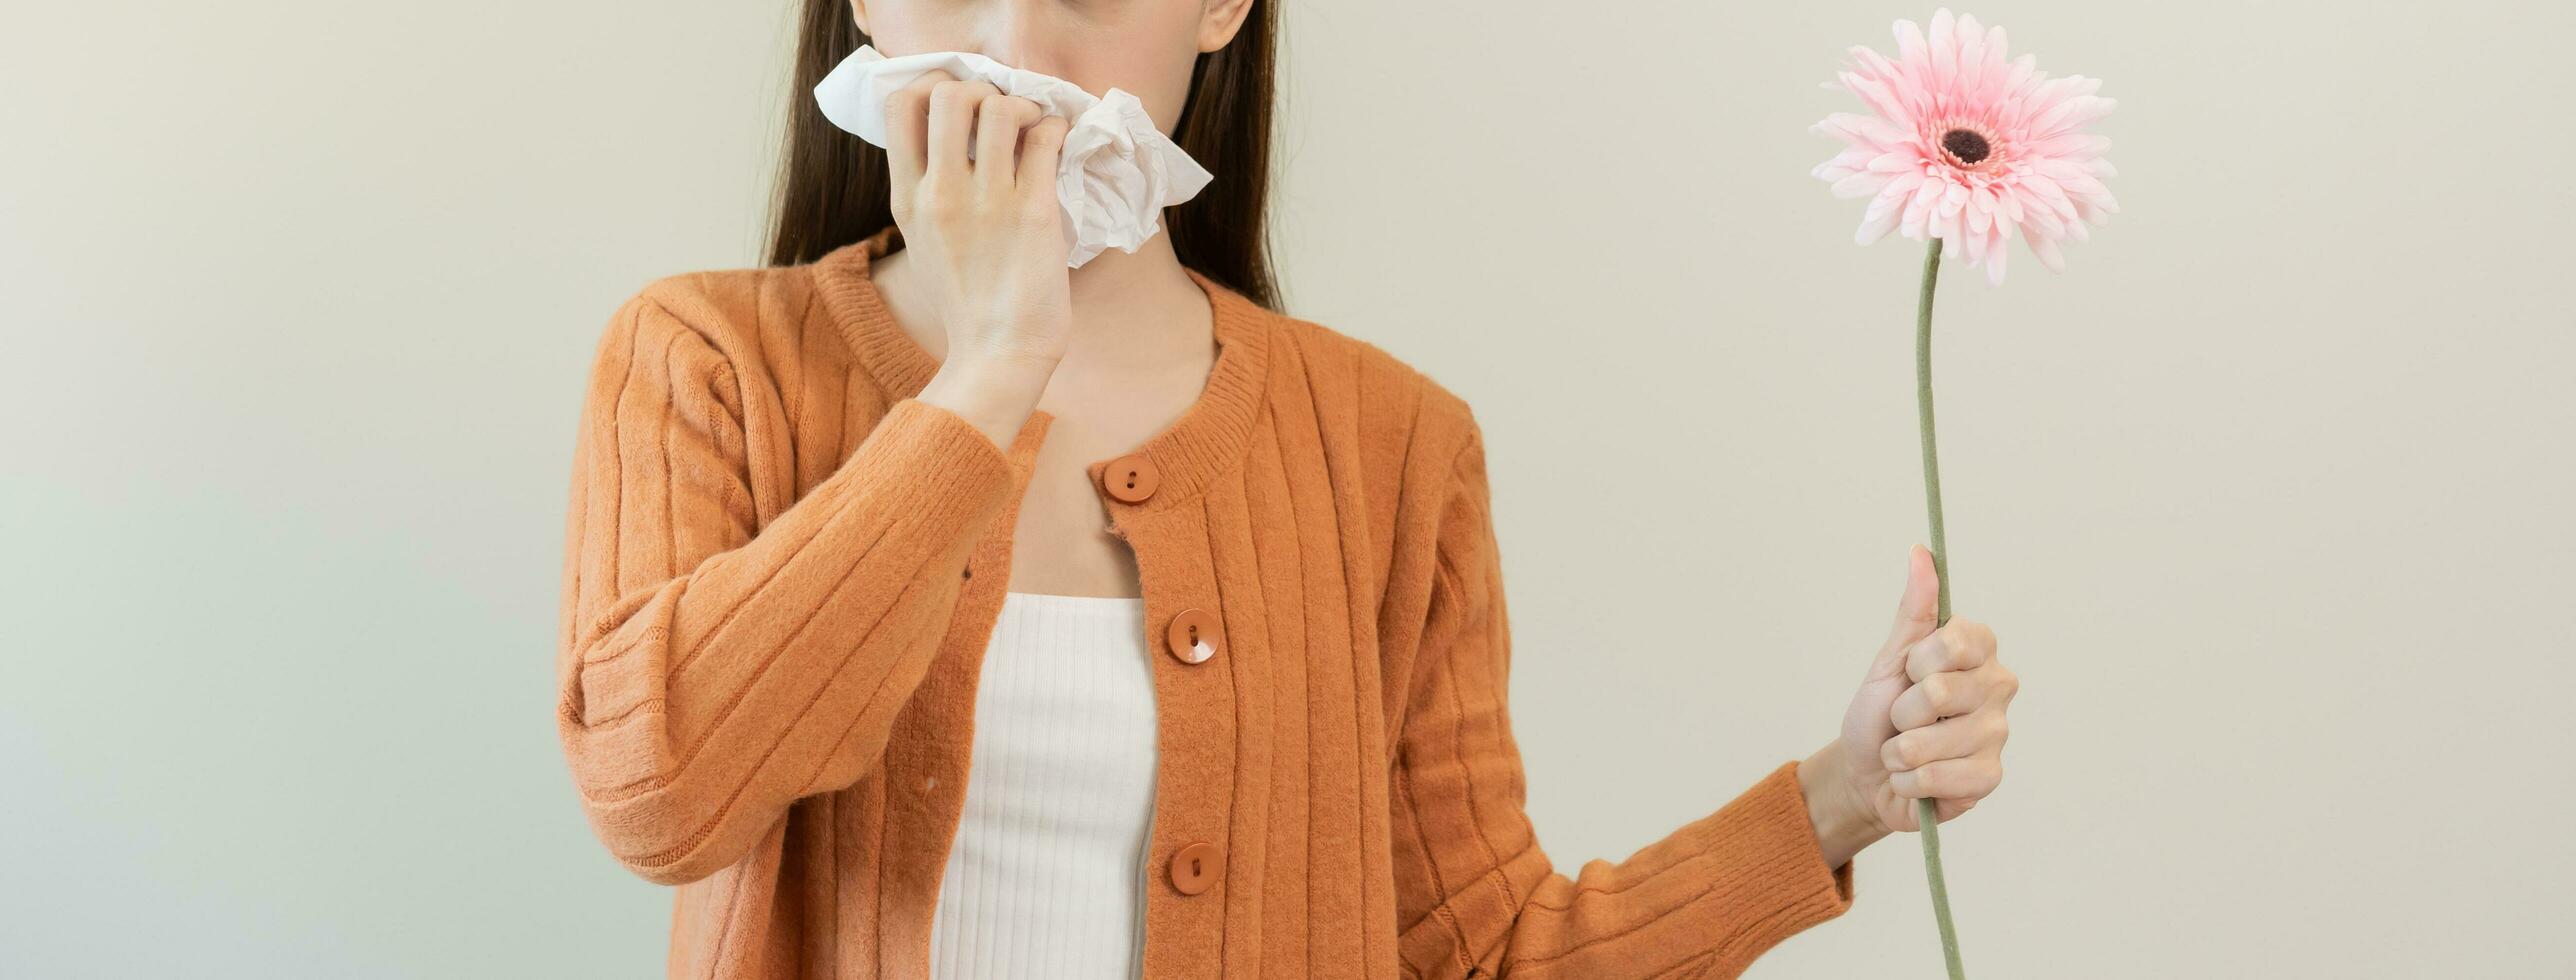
1916, 613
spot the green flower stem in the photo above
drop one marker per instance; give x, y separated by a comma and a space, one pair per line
1925, 809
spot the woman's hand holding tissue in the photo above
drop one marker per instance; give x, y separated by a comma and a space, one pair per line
1117, 169
986, 235
1927, 722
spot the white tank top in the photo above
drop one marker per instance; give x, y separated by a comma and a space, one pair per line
1046, 876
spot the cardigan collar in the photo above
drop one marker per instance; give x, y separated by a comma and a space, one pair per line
1206, 441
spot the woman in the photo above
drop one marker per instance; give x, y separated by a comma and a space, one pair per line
1208, 595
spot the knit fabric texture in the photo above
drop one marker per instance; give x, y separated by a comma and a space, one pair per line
782, 570
1047, 877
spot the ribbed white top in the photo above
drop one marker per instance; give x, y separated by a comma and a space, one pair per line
1045, 878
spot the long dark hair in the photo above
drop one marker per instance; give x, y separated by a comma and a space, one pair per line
833, 188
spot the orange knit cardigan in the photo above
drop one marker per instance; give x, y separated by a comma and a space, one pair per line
782, 570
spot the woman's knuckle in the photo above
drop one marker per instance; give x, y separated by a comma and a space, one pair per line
943, 201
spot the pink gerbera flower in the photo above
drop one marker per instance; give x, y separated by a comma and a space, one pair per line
1965, 147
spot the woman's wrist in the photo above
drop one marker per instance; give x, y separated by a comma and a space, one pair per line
996, 395
1843, 825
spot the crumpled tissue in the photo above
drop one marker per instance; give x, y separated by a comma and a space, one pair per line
1116, 174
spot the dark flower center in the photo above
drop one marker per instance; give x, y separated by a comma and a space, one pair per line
1968, 145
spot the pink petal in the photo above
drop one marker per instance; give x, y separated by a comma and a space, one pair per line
1861, 184
2044, 217
1846, 126
2070, 114
1843, 164
1910, 48
1972, 54
2046, 249
1876, 66
1887, 208
2047, 190
1877, 97
1876, 224
1897, 162
2022, 70
1919, 210
2082, 186
2053, 91
2053, 167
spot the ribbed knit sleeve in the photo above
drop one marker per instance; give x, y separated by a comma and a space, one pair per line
1476, 894
710, 671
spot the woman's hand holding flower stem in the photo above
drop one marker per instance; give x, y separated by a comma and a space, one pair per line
1927, 723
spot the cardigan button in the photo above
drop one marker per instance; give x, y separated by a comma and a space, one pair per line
1131, 478
1193, 636
1197, 867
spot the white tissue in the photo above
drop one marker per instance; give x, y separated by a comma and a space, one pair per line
1117, 172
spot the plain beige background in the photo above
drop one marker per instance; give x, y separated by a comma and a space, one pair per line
2267, 496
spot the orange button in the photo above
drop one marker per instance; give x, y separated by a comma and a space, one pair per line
1131, 478
1193, 636
1197, 867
